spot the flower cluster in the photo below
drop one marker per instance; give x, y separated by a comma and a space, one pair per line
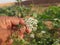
31, 23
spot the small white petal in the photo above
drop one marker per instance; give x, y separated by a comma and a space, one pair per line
43, 31
56, 19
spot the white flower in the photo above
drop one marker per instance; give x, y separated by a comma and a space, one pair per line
36, 21
56, 19
32, 35
43, 31
34, 28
